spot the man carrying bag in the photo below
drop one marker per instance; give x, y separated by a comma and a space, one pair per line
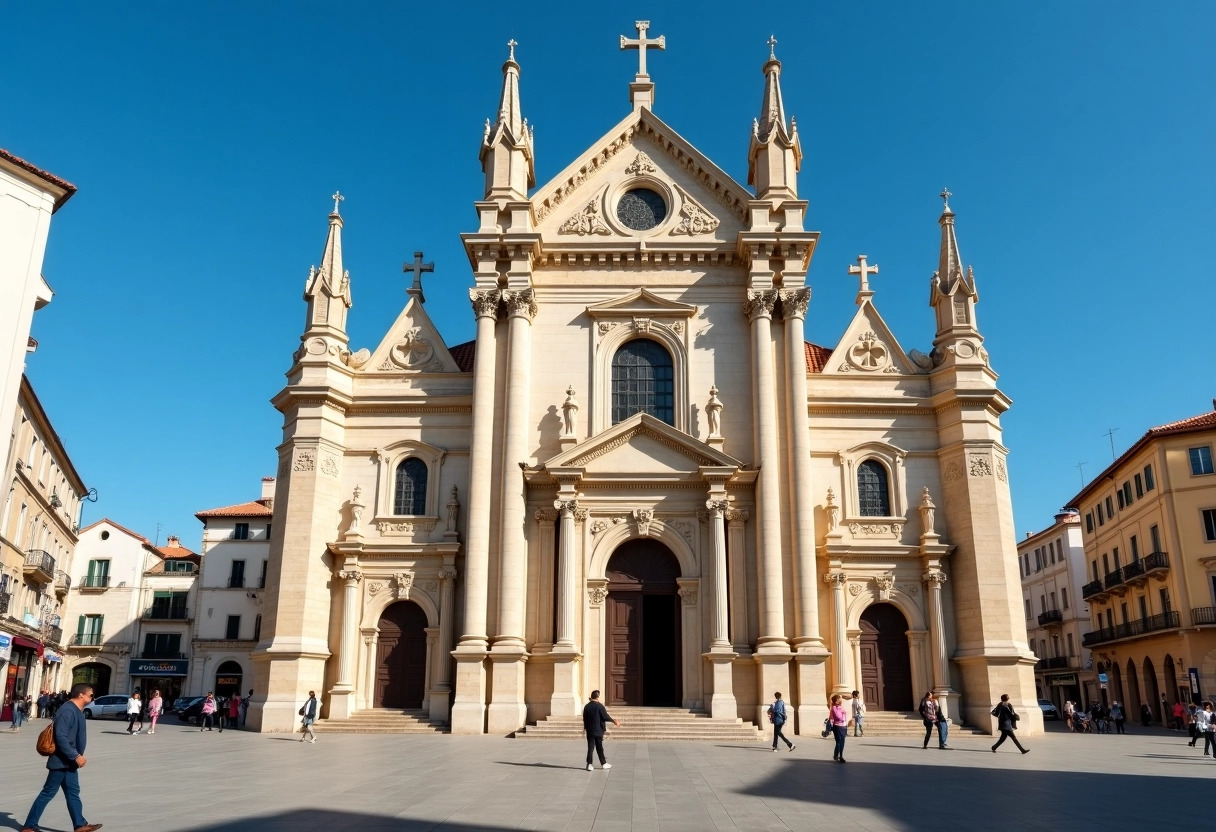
65, 761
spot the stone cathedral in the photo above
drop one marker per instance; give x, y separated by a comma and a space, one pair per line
641, 477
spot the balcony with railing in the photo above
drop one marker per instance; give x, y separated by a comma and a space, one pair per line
155, 613
1046, 619
1091, 589
1133, 570
1155, 562
1054, 663
86, 640
55, 635
1113, 579
39, 566
1203, 615
94, 583
1132, 629
62, 582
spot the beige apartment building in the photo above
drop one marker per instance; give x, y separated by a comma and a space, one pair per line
1149, 524
38, 533
1053, 571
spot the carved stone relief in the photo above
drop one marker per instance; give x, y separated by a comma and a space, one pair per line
694, 219
586, 221
412, 352
641, 164
406, 527
689, 595
596, 595
329, 466
306, 460
980, 467
855, 589
1001, 474
954, 472
644, 517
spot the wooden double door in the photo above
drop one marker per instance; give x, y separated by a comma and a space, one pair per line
643, 626
886, 665
401, 657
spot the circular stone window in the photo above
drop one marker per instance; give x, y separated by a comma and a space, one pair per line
641, 209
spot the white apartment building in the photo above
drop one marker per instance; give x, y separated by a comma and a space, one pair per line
1052, 564
236, 546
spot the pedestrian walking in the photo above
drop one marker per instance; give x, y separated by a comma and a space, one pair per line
135, 710
776, 715
932, 717
1179, 714
595, 723
64, 765
840, 726
309, 711
221, 712
156, 707
859, 715
1116, 713
234, 710
1206, 721
1146, 715
21, 709
207, 714
1192, 711
44, 704
245, 708
1007, 722
1070, 710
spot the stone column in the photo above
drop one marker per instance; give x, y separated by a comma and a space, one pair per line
934, 579
468, 711
722, 703
369, 667
507, 710
855, 659
840, 638
565, 649
341, 696
736, 551
432, 651
441, 691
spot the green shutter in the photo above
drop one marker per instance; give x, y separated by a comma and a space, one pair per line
80, 626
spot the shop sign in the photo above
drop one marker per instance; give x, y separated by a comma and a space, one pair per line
1070, 679
221, 681
159, 667
51, 656
6, 647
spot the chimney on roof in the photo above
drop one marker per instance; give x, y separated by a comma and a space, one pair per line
1029, 535
173, 541
267, 498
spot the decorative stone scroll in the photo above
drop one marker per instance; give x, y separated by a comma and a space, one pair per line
871, 529
604, 523
585, 221
406, 527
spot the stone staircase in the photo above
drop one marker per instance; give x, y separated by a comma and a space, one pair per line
382, 721
643, 724
907, 724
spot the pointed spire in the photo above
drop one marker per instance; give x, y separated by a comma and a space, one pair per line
775, 155
952, 294
506, 150
328, 288
949, 261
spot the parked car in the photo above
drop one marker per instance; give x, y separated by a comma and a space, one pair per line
192, 711
115, 706
183, 702
1049, 709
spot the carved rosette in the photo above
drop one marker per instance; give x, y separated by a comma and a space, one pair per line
760, 303
485, 302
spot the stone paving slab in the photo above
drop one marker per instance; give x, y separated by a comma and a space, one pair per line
181, 780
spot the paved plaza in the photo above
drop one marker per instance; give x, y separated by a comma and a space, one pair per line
180, 780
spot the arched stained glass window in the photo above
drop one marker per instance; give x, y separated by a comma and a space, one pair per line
643, 382
409, 497
872, 494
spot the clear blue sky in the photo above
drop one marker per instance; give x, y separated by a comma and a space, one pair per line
206, 139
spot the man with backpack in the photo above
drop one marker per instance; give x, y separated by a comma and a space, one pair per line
64, 763
776, 715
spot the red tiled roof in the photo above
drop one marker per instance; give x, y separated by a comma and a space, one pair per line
67, 186
1194, 424
173, 551
254, 508
816, 357
463, 355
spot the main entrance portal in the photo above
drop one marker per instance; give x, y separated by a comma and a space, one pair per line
886, 668
643, 633
401, 657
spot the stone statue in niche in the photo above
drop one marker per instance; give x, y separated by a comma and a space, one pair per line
832, 510
453, 509
713, 412
569, 413
927, 512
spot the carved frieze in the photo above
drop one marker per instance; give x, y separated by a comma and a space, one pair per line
980, 467
586, 220
694, 219
306, 460
395, 528
641, 164
873, 529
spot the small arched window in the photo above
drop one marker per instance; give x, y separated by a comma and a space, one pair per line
873, 496
409, 496
643, 381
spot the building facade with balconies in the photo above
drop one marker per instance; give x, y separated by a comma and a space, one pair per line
1052, 563
1149, 531
236, 548
38, 535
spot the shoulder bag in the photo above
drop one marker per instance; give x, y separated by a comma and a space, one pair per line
46, 740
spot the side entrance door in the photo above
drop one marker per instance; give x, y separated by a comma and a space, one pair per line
401, 657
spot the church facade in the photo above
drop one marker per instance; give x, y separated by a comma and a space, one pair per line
640, 477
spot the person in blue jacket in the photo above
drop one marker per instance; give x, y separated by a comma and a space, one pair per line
63, 766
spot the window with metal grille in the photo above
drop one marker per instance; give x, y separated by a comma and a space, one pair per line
872, 494
643, 381
410, 494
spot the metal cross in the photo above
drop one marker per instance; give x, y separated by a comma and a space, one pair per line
772, 47
337, 197
511, 44
417, 268
642, 43
945, 195
864, 270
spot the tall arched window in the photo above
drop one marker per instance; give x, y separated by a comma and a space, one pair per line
873, 497
643, 381
409, 496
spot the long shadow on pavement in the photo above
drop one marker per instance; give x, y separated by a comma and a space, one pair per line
314, 820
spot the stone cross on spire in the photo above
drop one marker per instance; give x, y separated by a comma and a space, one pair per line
337, 197
417, 268
945, 195
863, 270
641, 91
772, 47
511, 44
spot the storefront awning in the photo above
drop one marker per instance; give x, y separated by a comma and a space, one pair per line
29, 643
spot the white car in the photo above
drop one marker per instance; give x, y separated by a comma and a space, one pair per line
1049, 709
115, 706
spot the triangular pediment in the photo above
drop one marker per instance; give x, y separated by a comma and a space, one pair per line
641, 302
703, 203
642, 445
412, 345
869, 348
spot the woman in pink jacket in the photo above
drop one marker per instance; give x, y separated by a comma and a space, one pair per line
208, 712
840, 726
156, 707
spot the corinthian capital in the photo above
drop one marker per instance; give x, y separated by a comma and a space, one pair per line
836, 579
794, 302
485, 302
521, 303
717, 507
935, 578
566, 506
351, 576
760, 303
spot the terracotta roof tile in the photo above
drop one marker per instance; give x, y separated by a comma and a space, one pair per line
463, 355
67, 186
174, 551
816, 357
254, 508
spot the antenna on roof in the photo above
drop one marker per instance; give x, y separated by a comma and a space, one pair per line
157, 543
1110, 434
1081, 468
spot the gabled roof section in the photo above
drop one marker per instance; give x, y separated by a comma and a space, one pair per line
645, 425
580, 181
173, 550
464, 355
412, 345
868, 347
61, 189
642, 302
816, 357
107, 521
254, 508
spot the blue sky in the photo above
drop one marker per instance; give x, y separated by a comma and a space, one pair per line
206, 139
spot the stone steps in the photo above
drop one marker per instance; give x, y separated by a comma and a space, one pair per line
906, 724
642, 724
381, 721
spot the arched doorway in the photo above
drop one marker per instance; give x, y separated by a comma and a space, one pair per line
1152, 693
643, 626
886, 665
1171, 683
95, 674
401, 657
1132, 704
228, 679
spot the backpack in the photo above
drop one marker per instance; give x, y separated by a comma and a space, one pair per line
46, 740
